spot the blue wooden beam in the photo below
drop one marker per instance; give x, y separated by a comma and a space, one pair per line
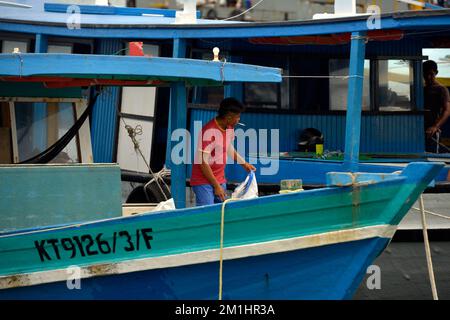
234, 90
179, 51
40, 109
111, 10
177, 119
41, 43
217, 30
354, 101
134, 68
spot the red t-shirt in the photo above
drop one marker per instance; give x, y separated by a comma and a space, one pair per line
215, 141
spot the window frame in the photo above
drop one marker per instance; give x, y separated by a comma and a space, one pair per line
82, 138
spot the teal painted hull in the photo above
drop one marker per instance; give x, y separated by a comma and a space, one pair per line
263, 226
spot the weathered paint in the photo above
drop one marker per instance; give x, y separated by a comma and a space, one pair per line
42, 195
354, 98
80, 66
297, 274
264, 219
205, 256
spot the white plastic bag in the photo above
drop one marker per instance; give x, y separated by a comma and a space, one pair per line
165, 205
247, 189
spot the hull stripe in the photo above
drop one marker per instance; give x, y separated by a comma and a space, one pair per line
204, 256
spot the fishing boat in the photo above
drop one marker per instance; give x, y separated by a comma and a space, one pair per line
64, 223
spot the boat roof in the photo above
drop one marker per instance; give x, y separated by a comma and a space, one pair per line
69, 70
97, 21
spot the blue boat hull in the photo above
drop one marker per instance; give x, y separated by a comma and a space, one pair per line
318, 273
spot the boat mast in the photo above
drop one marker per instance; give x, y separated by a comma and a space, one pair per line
354, 101
177, 120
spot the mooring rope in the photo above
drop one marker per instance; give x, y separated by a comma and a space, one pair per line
222, 228
427, 250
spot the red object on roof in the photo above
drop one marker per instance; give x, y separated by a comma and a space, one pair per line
136, 49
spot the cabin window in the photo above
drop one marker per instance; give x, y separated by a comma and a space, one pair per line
9, 46
29, 126
53, 48
338, 84
262, 95
395, 83
39, 125
268, 95
137, 111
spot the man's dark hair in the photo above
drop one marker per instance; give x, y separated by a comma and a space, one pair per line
230, 105
430, 65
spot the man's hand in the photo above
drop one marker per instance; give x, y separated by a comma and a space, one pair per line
248, 167
219, 192
432, 130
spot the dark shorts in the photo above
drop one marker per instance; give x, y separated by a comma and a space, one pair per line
204, 194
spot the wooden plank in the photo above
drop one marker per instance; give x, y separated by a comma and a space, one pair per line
134, 68
5, 145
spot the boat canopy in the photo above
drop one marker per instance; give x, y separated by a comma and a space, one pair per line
69, 70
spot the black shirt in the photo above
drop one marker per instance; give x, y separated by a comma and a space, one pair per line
435, 99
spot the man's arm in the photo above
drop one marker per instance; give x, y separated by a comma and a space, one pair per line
233, 154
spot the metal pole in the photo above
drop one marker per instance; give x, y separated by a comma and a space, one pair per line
354, 101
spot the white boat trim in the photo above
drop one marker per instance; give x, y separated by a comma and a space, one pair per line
197, 257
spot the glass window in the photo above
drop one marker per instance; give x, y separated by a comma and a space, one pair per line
39, 125
264, 95
395, 80
267, 95
339, 86
10, 46
442, 58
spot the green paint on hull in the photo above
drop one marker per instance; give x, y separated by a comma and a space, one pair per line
194, 230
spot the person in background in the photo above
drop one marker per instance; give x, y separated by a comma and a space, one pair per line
436, 102
215, 143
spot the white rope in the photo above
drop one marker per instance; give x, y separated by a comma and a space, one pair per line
244, 12
428, 251
222, 227
433, 213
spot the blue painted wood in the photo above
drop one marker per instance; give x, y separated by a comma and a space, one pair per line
178, 120
104, 114
379, 133
41, 43
42, 195
234, 90
354, 100
214, 29
111, 10
311, 172
343, 179
179, 51
325, 272
133, 68
40, 109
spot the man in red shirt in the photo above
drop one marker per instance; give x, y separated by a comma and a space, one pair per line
215, 143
